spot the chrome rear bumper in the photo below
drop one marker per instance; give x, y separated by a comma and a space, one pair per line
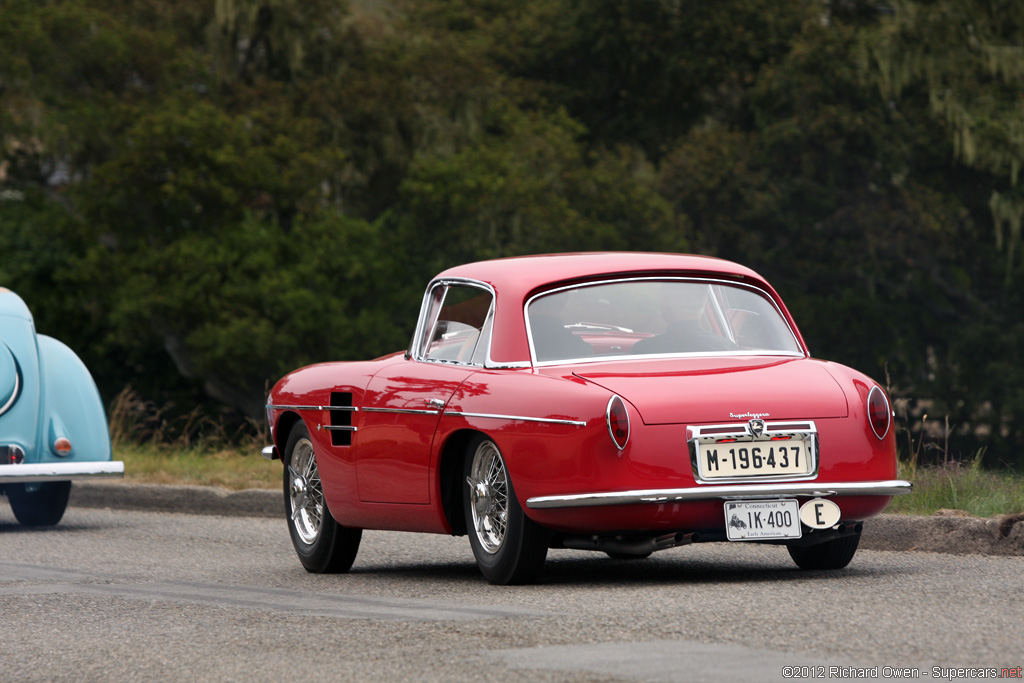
26, 473
815, 489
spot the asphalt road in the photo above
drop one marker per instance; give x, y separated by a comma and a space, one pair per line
152, 596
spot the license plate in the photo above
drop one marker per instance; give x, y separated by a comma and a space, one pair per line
755, 520
753, 459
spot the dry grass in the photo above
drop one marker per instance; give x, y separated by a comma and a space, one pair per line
190, 449
952, 482
960, 485
230, 469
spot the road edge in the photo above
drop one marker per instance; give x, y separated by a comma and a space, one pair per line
940, 533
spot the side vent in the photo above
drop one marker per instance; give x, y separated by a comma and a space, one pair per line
341, 418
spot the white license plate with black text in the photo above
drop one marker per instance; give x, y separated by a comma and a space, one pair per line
754, 459
756, 520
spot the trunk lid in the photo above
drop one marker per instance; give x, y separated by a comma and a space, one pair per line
723, 389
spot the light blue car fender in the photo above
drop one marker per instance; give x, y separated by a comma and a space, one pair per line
53, 428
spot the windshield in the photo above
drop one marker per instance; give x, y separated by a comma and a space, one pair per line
655, 318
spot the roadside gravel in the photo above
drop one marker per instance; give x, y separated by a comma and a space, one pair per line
941, 533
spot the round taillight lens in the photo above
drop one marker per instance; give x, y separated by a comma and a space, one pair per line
879, 414
618, 422
62, 445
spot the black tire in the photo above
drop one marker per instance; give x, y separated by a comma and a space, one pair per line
323, 545
834, 554
42, 507
509, 548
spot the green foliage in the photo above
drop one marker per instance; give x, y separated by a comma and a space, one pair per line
199, 196
965, 60
528, 185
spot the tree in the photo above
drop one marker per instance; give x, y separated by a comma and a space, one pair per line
965, 59
528, 185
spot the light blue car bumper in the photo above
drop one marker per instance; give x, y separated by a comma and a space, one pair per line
60, 471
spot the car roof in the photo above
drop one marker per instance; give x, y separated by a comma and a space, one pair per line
521, 275
515, 279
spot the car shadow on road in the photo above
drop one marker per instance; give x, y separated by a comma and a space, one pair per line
607, 572
601, 571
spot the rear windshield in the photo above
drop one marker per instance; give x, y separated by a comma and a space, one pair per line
656, 318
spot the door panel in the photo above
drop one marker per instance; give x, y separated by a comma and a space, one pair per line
398, 419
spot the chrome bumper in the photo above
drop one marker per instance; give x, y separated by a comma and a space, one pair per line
815, 489
60, 471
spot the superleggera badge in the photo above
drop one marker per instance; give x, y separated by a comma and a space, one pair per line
755, 416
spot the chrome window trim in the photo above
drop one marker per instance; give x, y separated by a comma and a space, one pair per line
806, 428
523, 418
653, 278
891, 487
415, 351
662, 356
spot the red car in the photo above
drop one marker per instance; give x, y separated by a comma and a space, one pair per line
619, 402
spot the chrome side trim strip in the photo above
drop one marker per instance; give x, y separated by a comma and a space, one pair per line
548, 420
402, 411
60, 471
339, 428
892, 487
347, 409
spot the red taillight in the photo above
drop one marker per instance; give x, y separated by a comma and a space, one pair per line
62, 445
618, 422
879, 414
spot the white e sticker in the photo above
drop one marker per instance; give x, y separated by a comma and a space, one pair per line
819, 513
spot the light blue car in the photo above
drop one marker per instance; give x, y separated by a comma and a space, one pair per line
53, 428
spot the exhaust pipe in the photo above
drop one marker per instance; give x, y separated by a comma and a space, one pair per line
630, 546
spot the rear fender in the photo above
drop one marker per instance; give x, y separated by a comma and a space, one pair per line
70, 406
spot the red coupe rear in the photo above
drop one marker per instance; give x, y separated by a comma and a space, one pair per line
618, 402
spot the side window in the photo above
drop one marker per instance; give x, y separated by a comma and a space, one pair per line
459, 331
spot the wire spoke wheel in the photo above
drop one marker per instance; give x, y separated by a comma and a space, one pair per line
488, 485
509, 548
307, 498
322, 544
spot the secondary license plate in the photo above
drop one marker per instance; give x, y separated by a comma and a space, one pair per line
756, 520
753, 459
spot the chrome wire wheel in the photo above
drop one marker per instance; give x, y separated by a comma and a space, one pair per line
305, 493
489, 496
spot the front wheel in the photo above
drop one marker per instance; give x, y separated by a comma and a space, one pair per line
834, 554
42, 507
323, 545
508, 546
